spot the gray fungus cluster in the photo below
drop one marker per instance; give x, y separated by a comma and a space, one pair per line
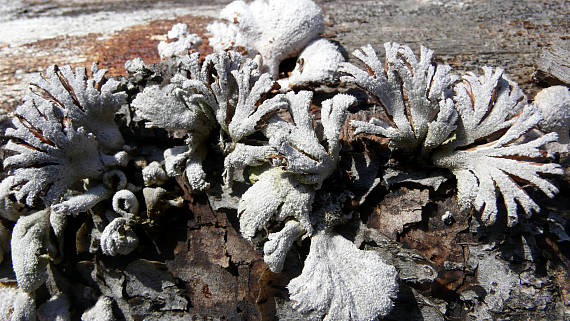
66, 154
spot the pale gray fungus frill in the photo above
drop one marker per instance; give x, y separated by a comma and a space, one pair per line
101, 311
31, 248
64, 154
184, 42
318, 63
259, 145
306, 163
16, 304
10, 208
154, 174
414, 94
230, 100
63, 134
284, 197
125, 203
493, 117
472, 127
302, 151
341, 282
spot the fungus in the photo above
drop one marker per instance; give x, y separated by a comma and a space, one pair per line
184, 42
154, 174
414, 94
157, 200
232, 99
284, 197
289, 189
126, 204
342, 282
554, 103
16, 304
473, 130
275, 29
10, 208
31, 249
101, 311
60, 132
278, 244
487, 155
118, 237
317, 64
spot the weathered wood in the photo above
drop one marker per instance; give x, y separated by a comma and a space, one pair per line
553, 66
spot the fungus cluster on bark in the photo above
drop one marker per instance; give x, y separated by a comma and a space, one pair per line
67, 155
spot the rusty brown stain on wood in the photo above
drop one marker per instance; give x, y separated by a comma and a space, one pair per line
140, 41
110, 51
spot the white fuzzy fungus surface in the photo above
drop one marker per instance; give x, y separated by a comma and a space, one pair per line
414, 93
16, 304
298, 143
278, 244
225, 92
489, 105
125, 203
154, 174
29, 246
342, 282
183, 41
318, 63
118, 237
101, 311
283, 197
275, 29
62, 134
554, 103
10, 208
